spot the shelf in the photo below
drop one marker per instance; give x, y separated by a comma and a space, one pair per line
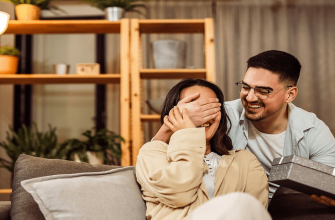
172, 73
150, 118
58, 79
171, 26
5, 191
63, 26
164, 26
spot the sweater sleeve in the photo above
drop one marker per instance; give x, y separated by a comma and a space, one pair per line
257, 182
173, 173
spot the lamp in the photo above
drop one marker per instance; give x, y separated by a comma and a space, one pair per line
4, 18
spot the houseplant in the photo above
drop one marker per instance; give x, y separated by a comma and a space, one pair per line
115, 9
9, 59
30, 9
29, 141
104, 143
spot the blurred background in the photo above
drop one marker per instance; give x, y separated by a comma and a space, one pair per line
243, 28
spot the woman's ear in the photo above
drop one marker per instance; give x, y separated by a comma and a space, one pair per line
292, 92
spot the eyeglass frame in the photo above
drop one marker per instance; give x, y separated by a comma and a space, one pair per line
266, 88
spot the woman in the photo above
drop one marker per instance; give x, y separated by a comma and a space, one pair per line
198, 163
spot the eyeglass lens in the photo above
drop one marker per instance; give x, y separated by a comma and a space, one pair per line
259, 92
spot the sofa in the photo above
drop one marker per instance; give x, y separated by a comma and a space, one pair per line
109, 192
99, 192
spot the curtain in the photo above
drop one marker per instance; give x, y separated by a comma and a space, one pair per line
304, 28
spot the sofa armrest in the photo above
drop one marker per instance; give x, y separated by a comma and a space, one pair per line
5, 210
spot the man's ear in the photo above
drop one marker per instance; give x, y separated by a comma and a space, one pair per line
292, 92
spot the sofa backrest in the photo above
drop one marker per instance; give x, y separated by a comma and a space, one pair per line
27, 167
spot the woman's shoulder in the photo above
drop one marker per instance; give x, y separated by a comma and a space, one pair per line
242, 153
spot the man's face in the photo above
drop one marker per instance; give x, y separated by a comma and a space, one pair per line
257, 109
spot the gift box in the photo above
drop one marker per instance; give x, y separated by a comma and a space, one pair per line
303, 175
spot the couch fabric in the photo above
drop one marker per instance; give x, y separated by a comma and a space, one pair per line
23, 206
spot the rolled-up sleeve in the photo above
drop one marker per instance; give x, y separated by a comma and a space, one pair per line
173, 173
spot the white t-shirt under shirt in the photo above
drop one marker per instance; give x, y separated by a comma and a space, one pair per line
212, 160
266, 147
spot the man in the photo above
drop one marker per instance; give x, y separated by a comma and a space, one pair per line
264, 121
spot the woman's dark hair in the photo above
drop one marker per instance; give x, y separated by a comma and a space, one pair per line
220, 142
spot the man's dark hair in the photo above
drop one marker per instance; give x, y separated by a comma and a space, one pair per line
220, 142
279, 62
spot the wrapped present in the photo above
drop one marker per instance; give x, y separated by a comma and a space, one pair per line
303, 175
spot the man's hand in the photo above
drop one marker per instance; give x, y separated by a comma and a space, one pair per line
175, 121
200, 111
324, 200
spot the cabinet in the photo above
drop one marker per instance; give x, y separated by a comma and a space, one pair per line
175, 26
82, 26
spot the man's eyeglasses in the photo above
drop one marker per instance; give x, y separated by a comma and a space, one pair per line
260, 92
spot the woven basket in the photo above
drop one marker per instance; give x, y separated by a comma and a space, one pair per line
8, 64
27, 12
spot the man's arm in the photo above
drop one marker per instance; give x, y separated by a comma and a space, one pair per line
199, 111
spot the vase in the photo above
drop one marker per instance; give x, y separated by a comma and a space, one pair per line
27, 12
114, 13
169, 54
8, 64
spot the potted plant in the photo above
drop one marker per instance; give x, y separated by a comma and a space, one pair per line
30, 9
104, 144
115, 9
9, 59
28, 141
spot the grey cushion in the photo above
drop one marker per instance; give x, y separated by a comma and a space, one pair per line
112, 194
5, 210
27, 167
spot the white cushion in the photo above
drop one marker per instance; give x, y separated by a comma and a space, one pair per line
112, 194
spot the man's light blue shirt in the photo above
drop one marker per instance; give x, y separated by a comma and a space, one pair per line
305, 136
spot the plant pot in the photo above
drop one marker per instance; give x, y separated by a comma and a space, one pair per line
169, 54
114, 13
27, 12
8, 64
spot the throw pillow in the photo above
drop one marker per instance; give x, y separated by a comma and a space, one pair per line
27, 167
112, 194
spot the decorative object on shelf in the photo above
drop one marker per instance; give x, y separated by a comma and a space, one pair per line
31, 9
104, 143
28, 141
114, 13
115, 9
88, 68
169, 54
27, 12
155, 104
4, 18
61, 68
9, 59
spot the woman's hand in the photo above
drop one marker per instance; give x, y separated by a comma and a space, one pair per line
175, 121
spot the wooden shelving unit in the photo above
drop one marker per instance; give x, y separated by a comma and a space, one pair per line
56, 79
82, 26
167, 26
5, 191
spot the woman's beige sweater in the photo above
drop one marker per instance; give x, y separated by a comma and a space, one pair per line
171, 175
